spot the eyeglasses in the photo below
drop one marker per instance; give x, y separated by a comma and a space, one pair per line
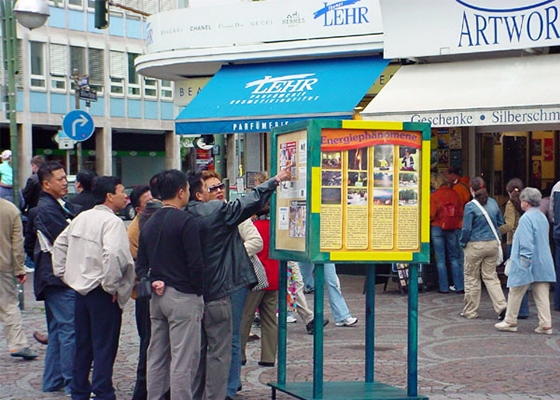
214, 188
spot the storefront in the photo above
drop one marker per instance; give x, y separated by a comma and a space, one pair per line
494, 102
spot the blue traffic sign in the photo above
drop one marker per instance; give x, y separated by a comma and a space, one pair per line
78, 125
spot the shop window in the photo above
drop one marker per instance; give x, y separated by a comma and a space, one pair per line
166, 90
37, 61
58, 66
133, 77
117, 73
96, 69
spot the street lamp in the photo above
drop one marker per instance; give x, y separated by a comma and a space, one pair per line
31, 14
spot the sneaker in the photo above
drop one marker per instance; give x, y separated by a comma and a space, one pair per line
504, 326
311, 329
544, 331
347, 322
24, 353
29, 270
452, 288
309, 290
290, 319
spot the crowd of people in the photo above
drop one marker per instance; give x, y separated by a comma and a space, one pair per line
467, 228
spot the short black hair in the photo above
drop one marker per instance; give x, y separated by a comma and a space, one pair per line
103, 185
136, 193
45, 171
86, 177
153, 186
195, 182
169, 182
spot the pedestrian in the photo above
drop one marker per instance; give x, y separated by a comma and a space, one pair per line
531, 264
481, 221
45, 223
446, 215
265, 300
6, 176
84, 183
11, 265
32, 189
169, 251
555, 214
227, 269
92, 256
339, 308
512, 213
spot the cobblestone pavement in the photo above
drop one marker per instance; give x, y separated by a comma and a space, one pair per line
458, 358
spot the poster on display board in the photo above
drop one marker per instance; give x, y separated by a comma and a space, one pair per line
356, 192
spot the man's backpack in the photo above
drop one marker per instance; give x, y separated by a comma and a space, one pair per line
450, 219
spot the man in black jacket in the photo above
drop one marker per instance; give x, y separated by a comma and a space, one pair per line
45, 223
227, 269
84, 183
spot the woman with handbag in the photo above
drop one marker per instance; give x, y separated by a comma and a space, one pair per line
531, 263
480, 239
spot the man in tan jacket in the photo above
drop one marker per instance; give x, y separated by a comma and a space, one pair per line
12, 264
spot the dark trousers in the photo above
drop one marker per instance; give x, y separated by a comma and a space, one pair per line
142, 312
98, 327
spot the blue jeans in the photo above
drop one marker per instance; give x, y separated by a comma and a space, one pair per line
308, 279
447, 243
557, 285
59, 360
237, 306
338, 305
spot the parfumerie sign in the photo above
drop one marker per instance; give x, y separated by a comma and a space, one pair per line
416, 28
261, 22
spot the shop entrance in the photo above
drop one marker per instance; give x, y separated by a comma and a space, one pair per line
515, 159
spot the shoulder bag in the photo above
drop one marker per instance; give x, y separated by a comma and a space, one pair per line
261, 274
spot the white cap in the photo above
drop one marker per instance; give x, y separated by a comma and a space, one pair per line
6, 154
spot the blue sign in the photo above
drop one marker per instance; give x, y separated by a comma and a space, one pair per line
78, 125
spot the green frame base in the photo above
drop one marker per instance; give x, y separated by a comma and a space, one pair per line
344, 391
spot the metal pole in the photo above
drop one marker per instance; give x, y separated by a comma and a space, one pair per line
76, 77
9, 41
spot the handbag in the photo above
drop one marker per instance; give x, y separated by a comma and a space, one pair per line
500, 250
507, 267
144, 287
262, 281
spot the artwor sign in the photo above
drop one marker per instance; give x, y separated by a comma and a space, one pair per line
416, 28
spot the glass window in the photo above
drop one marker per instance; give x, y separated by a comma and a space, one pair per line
78, 60
150, 87
133, 79
96, 70
77, 3
58, 66
117, 72
166, 90
37, 61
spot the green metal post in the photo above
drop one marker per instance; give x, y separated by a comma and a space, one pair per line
282, 325
318, 334
412, 388
9, 42
370, 322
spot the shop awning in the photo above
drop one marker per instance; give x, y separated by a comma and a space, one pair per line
504, 91
258, 97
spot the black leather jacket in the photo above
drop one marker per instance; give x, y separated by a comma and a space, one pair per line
227, 265
50, 218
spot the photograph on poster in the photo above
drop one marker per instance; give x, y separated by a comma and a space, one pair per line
443, 158
297, 219
331, 178
357, 197
331, 160
357, 159
537, 147
383, 179
408, 197
455, 141
382, 197
383, 157
288, 155
331, 196
407, 179
357, 179
407, 155
548, 151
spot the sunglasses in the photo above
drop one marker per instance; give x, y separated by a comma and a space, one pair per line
214, 188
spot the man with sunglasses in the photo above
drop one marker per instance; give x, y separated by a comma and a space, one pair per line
227, 269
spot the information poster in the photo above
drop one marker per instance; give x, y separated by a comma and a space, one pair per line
370, 190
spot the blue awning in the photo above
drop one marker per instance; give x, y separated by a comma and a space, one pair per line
258, 97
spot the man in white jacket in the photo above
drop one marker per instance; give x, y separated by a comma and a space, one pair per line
92, 256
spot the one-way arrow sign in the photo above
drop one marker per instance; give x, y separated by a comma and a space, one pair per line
78, 125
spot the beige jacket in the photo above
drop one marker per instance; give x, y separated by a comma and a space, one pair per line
252, 239
94, 250
12, 257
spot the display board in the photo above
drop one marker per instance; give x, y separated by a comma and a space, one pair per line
359, 191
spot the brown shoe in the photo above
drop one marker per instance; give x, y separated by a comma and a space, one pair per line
41, 338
